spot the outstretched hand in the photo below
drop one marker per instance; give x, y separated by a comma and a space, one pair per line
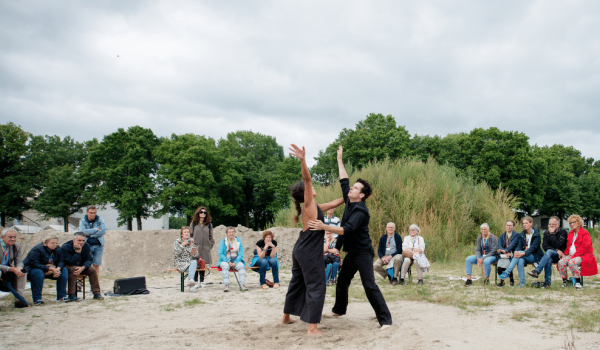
297, 152
339, 152
316, 225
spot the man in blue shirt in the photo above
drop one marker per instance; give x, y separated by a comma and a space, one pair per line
94, 229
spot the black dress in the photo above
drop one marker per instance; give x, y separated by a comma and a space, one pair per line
306, 293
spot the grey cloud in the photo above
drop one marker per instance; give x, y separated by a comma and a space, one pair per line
286, 69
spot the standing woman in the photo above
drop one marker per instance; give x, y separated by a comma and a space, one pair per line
306, 292
580, 259
202, 233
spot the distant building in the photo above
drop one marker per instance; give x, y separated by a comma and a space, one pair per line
32, 222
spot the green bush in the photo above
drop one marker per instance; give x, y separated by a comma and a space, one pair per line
447, 206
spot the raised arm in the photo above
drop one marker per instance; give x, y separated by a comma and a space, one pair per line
333, 204
342, 169
309, 208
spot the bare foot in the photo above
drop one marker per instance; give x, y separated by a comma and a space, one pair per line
287, 319
313, 330
331, 314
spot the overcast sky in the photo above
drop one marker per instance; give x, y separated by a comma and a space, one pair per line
301, 71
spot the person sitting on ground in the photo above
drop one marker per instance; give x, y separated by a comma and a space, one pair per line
555, 244
43, 261
201, 230
12, 276
413, 244
503, 253
266, 258
580, 260
186, 256
94, 229
78, 260
485, 254
390, 254
527, 249
331, 258
231, 256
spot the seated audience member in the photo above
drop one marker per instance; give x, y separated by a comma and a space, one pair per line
390, 254
78, 260
413, 244
554, 243
580, 259
186, 256
331, 257
485, 254
504, 255
12, 276
527, 249
266, 258
231, 256
331, 220
45, 261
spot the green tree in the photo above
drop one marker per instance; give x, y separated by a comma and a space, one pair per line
590, 195
565, 166
16, 183
59, 180
193, 172
266, 172
375, 138
122, 169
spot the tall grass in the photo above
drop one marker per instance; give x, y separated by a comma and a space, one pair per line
447, 206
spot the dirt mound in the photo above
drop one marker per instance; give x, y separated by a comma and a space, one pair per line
146, 253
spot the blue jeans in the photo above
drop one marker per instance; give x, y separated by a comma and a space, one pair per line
520, 264
546, 263
192, 269
36, 276
263, 265
487, 264
334, 269
7, 285
97, 252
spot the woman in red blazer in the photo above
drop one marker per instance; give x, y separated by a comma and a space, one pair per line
579, 255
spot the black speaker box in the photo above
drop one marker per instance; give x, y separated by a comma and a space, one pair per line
128, 285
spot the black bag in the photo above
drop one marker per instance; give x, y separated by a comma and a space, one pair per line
133, 285
331, 258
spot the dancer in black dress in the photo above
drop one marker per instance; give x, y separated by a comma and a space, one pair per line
306, 292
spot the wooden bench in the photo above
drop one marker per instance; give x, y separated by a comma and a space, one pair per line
184, 274
81, 279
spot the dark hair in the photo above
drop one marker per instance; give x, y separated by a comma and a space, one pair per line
297, 192
196, 217
366, 190
512, 222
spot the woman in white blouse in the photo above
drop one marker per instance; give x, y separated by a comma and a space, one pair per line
412, 246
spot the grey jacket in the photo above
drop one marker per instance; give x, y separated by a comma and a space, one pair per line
15, 258
493, 242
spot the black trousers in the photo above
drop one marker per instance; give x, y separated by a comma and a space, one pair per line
363, 263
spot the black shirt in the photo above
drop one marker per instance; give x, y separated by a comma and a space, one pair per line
355, 222
261, 244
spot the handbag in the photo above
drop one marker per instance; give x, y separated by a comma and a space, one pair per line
422, 261
201, 264
331, 258
407, 254
503, 263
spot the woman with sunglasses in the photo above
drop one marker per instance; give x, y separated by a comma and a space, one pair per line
202, 232
580, 259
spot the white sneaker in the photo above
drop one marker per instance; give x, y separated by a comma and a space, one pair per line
578, 286
202, 285
244, 288
191, 283
226, 288
193, 289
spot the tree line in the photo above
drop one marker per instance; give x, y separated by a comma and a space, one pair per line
242, 178
547, 180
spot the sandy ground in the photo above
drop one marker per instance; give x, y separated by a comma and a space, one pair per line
211, 319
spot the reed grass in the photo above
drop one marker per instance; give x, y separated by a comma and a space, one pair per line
448, 207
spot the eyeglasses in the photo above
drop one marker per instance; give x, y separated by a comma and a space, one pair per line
572, 222
203, 212
552, 224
